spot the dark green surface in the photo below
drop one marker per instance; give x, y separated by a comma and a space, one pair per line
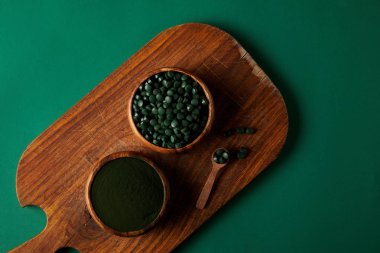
322, 195
127, 194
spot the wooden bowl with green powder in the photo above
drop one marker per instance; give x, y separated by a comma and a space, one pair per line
171, 110
126, 194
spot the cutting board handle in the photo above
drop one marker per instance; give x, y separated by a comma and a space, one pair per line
58, 234
46, 241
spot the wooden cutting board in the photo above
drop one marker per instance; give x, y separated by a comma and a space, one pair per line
55, 167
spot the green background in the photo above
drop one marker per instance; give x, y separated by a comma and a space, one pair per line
321, 195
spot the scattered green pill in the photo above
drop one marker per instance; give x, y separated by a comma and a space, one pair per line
242, 153
239, 130
249, 130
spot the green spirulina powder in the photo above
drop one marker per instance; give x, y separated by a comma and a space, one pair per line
127, 194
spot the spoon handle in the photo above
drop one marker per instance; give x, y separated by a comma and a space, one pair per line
203, 197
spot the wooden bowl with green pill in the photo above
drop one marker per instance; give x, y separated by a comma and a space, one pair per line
126, 194
171, 110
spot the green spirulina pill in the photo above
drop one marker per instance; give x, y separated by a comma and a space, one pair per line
240, 130
180, 116
153, 122
148, 87
159, 97
249, 130
168, 99
168, 132
242, 153
170, 92
174, 123
161, 111
127, 194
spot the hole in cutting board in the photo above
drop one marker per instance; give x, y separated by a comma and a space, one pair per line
67, 250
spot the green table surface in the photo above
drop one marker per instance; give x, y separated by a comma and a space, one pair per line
321, 195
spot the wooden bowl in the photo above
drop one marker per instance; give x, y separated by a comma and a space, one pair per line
206, 129
97, 168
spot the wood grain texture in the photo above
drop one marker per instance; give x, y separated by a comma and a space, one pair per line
55, 167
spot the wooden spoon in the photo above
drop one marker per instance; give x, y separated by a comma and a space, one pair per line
214, 174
